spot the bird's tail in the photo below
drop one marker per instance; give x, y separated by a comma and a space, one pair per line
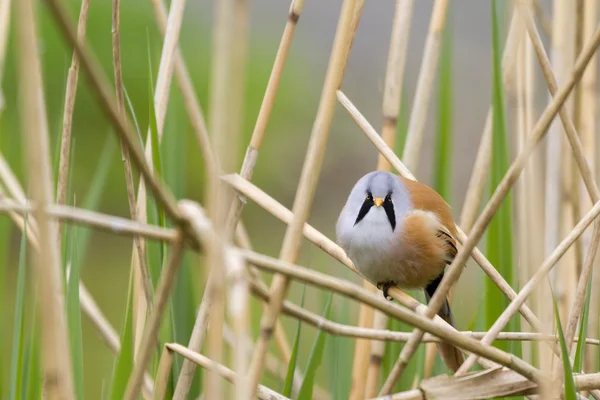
451, 355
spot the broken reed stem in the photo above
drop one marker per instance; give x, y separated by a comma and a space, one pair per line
384, 335
67, 121
262, 392
306, 187
148, 344
142, 271
57, 372
353, 291
527, 289
122, 126
391, 105
420, 109
479, 258
481, 168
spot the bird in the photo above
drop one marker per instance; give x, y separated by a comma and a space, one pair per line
399, 232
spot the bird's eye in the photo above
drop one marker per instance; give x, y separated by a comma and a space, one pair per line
388, 197
368, 197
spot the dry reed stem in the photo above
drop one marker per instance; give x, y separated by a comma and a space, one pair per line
162, 374
481, 168
224, 128
160, 101
56, 354
122, 126
351, 290
391, 105
109, 223
4, 30
67, 121
190, 100
142, 273
508, 180
588, 125
163, 290
384, 335
524, 258
527, 289
306, 187
263, 392
491, 383
420, 109
487, 267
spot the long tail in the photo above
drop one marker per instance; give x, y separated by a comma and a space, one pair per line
451, 355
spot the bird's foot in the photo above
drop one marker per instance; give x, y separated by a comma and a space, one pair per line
384, 286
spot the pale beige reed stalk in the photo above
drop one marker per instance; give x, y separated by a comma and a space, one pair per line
56, 354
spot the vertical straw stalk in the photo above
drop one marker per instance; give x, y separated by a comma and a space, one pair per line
142, 274
418, 117
391, 106
67, 121
306, 188
161, 96
58, 376
226, 105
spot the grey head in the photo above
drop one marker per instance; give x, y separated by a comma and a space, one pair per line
379, 198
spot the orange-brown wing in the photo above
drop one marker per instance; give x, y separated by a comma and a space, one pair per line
427, 199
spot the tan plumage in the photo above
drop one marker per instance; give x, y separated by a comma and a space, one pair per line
405, 240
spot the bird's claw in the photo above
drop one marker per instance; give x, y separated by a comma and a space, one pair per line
384, 286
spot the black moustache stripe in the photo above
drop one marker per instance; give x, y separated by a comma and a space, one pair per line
388, 206
364, 209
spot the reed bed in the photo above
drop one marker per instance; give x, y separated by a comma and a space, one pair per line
203, 312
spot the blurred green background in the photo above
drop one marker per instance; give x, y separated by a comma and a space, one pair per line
105, 267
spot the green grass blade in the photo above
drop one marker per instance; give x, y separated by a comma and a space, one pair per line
33, 378
443, 157
94, 194
570, 392
74, 316
124, 361
314, 361
17, 371
499, 245
580, 350
289, 378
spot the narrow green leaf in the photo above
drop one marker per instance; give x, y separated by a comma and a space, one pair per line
289, 378
17, 371
32, 382
314, 360
570, 392
95, 193
583, 326
124, 361
499, 247
443, 159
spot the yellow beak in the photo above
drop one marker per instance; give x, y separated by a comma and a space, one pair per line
378, 201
